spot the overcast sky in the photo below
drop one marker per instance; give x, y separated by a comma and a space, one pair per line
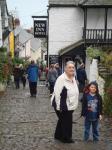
26, 8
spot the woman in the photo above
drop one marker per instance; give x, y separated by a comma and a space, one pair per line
23, 75
52, 77
16, 74
65, 101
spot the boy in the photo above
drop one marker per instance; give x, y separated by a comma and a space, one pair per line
92, 111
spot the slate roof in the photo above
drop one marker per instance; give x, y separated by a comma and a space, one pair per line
81, 2
98, 2
64, 2
25, 36
70, 47
35, 44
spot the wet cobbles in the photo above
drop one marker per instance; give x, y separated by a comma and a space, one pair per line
28, 124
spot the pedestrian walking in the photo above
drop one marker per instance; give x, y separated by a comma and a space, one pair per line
33, 78
58, 68
46, 75
23, 75
81, 77
65, 101
16, 74
92, 111
52, 77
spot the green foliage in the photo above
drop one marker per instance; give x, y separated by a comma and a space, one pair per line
93, 52
41, 63
3, 60
108, 97
17, 60
106, 61
3, 49
105, 56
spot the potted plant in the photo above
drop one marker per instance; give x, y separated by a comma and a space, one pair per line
94, 53
3, 69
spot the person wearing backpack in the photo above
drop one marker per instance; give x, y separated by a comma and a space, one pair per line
33, 76
81, 77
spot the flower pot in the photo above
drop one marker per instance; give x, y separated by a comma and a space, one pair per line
2, 87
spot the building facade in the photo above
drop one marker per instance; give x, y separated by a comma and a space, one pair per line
3, 21
76, 24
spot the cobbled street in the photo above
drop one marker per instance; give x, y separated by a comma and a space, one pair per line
28, 124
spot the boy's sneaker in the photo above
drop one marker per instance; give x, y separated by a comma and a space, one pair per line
95, 141
86, 140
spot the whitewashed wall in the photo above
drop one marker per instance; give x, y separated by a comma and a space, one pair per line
35, 54
95, 18
6, 44
110, 18
6, 18
0, 28
94, 76
65, 27
87, 67
25, 51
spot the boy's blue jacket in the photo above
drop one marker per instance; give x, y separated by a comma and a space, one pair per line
85, 105
33, 73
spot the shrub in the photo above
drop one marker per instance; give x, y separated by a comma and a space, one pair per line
3, 67
108, 96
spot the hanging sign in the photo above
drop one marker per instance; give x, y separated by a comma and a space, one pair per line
40, 28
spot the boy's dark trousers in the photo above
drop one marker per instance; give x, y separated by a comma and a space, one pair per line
95, 131
33, 88
64, 125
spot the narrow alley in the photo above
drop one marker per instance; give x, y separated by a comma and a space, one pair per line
28, 124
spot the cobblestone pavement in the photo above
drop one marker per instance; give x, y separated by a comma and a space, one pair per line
28, 124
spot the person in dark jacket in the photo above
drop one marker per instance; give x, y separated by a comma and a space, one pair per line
23, 75
81, 77
59, 70
33, 78
92, 110
16, 74
52, 77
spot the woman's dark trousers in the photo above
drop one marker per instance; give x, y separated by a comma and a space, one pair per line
33, 88
51, 87
64, 125
17, 83
23, 79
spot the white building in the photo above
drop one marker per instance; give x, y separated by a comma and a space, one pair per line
4, 24
0, 28
26, 45
36, 50
76, 24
